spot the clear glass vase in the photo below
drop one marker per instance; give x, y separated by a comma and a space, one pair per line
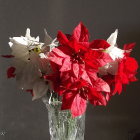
62, 125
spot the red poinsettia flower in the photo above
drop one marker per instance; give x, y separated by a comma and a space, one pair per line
127, 69
75, 97
76, 55
76, 91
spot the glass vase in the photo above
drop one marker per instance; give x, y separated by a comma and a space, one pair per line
62, 125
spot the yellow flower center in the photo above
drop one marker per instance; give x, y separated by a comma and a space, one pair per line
36, 50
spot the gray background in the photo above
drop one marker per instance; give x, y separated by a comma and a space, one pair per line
20, 118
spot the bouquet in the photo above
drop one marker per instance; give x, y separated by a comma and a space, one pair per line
71, 69
68, 72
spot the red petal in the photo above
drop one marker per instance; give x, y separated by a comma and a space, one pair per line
85, 75
59, 51
129, 46
75, 67
7, 56
101, 85
133, 79
131, 64
99, 58
67, 100
55, 59
78, 106
99, 44
118, 88
66, 66
96, 98
10, 72
54, 80
108, 96
104, 58
63, 40
80, 33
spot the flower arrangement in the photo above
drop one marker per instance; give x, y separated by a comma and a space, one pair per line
72, 69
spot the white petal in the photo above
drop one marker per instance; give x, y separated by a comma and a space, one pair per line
37, 39
26, 75
20, 51
19, 40
42, 55
47, 39
10, 44
115, 52
28, 33
40, 89
53, 44
113, 38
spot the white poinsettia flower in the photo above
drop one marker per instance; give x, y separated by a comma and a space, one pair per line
29, 64
113, 50
23, 46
